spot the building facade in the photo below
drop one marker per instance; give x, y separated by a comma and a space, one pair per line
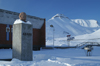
7, 19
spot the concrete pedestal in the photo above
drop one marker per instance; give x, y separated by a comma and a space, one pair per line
23, 42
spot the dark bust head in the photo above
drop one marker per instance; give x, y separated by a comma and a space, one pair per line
22, 16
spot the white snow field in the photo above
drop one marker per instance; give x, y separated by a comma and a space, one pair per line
55, 57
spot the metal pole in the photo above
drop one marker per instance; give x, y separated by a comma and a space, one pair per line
53, 36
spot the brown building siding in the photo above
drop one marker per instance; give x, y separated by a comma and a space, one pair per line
38, 36
3, 35
43, 36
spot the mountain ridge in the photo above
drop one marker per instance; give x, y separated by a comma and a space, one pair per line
63, 25
86, 23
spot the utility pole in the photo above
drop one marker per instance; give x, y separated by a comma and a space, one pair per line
53, 33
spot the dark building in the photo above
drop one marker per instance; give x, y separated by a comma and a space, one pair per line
7, 19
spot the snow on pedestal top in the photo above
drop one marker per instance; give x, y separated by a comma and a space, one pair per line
20, 21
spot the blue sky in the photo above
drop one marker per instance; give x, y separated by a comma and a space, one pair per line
74, 9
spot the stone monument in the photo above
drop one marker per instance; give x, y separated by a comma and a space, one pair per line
22, 39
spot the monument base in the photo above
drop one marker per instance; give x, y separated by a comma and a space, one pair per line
23, 42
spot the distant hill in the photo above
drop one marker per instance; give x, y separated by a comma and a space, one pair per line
86, 23
64, 26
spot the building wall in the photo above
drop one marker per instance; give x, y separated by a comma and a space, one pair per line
43, 36
3, 34
8, 17
38, 36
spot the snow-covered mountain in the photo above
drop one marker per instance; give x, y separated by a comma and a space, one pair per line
64, 26
94, 35
86, 23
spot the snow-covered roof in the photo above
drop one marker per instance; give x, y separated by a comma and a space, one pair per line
8, 17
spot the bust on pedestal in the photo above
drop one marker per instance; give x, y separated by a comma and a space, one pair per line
22, 39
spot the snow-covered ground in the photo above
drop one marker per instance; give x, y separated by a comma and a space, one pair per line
81, 30
55, 57
58, 57
93, 37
